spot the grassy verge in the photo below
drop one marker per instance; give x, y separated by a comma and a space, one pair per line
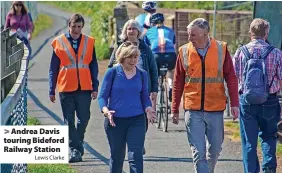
31, 121
42, 22
99, 13
233, 132
50, 168
47, 168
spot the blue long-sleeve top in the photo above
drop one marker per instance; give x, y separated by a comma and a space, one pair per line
55, 66
127, 97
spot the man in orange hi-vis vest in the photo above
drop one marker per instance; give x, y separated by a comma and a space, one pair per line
74, 71
201, 68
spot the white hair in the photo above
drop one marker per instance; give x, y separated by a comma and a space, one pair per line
133, 23
201, 23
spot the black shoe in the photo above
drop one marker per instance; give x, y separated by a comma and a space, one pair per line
144, 151
169, 109
75, 156
81, 148
170, 94
269, 171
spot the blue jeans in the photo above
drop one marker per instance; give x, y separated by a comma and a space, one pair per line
79, 102
27, 43
259, 120
202, 128
130, 131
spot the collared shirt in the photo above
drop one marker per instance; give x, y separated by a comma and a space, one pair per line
55, 66
204, 51
273, 63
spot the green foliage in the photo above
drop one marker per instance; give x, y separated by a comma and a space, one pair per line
206, 5
279, 149
32, 121
234, 127
50, 168
42, 22
99, 12
186, 5
235, 44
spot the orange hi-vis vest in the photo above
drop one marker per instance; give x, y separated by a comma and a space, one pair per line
204, 81
74, 68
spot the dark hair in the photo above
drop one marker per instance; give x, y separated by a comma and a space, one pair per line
13, 10
75, 18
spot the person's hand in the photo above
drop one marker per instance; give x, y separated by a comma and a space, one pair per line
109, 114
94, 95
175, 118
52, 98
151, 114
235, 112
29, 36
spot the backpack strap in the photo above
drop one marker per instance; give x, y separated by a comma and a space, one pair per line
246, 52
113, 77
267, 52
264, 55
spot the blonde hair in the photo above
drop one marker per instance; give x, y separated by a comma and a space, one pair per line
259, 28
133, 23
126, 51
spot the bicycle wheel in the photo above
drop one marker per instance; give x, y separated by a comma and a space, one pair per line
164, 107
159, 109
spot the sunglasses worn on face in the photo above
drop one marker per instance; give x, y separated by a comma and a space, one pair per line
18, 5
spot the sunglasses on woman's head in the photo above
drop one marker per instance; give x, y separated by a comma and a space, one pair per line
128, 43
131, 29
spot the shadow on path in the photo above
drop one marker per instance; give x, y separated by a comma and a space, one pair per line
175, 159
61, 122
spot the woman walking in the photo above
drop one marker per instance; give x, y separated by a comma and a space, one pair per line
124, 99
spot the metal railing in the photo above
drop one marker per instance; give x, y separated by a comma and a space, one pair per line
14, 63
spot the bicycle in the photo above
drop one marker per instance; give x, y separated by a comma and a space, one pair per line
162, 100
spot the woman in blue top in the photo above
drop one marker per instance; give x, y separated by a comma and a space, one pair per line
124, 99
131, 31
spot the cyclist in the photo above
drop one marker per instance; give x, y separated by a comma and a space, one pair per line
149, 8
161, 39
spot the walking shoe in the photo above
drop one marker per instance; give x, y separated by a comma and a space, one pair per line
81, 148
169, 108
75, 156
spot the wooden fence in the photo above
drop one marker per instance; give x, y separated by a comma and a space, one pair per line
231, 26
